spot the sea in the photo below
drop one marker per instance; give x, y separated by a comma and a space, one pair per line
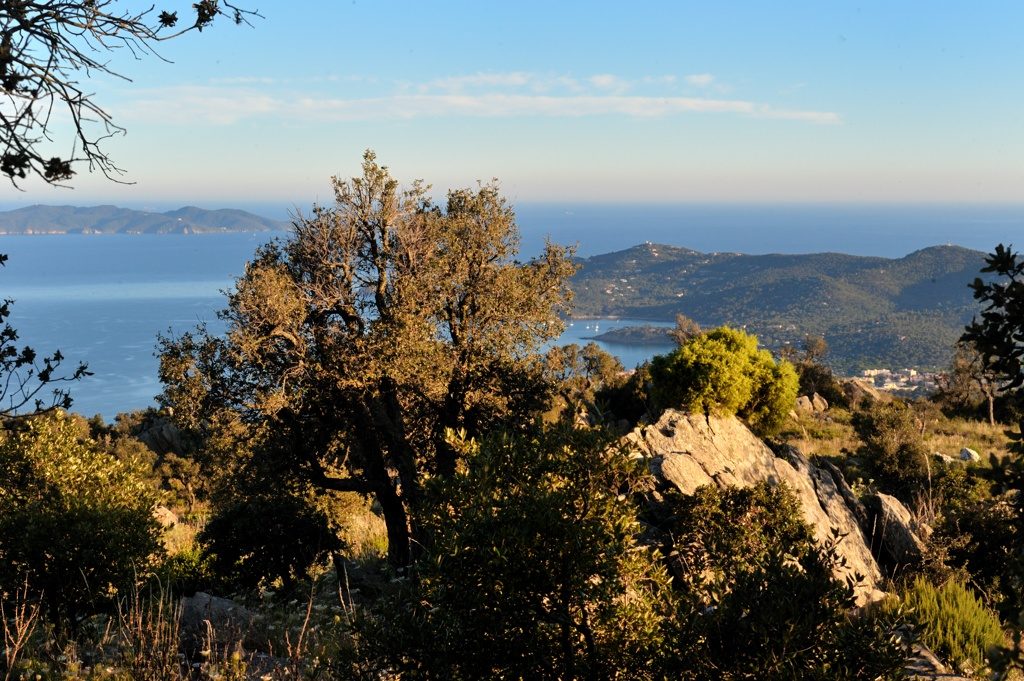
104, 299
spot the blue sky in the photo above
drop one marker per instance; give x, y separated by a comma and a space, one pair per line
577, 101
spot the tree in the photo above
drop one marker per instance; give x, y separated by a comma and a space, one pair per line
75, 522
684, 330
578, 374
893, 444
261, 539
815, 348
969, 381
354, 345
999, 335
723, 372
45, 47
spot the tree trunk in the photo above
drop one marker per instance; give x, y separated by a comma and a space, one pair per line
991, 409
397, 522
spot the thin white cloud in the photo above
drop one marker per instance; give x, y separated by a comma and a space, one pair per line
609, 82
700, 79
480, 95
513, 79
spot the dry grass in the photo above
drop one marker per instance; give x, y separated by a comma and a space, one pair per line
831, 434
949, 436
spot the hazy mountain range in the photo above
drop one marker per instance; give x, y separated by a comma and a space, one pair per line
113, 220
873, 311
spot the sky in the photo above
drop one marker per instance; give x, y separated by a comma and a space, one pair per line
573, 101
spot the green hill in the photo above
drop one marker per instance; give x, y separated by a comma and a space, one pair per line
904, 312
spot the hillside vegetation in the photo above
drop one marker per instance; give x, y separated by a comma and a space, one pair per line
873, 311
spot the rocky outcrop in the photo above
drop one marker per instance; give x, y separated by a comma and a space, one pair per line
161, 435
814, 403
858, 391
165, 516
689, 451
895, 535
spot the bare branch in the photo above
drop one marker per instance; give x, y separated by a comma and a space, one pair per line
45, 49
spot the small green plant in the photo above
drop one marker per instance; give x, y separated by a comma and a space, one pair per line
955, 624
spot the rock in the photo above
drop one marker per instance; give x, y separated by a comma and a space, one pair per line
161, 435
202, 612
924, 665
944, 458
803, 403
689, 451
165, 516
859, 391
968, 454
895, 534
819, 403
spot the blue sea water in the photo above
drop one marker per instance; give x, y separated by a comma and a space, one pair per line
889, 230
104, 299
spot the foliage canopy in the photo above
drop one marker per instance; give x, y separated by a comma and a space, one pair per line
75, 522
378, 325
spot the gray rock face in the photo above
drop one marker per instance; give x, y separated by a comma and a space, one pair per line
894, 531
162, 436
803, 403
689, 451
819, 403
203, 613
968, 454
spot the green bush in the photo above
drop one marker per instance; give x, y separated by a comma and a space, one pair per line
533, 571
893, 449
954, 623
257, 540
723, 372
75, 522
758, 595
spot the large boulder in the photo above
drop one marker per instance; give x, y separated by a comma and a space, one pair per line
819, 403
858, 391
161, 435
895, 533
689, 451
203, 616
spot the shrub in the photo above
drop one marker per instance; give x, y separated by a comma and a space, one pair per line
955, 624
74, 521
724, 372
758, 595
893, 447
533, 570
257, 540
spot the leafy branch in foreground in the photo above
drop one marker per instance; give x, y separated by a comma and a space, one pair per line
45, 47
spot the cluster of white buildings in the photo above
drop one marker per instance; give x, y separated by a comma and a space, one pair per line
906, 382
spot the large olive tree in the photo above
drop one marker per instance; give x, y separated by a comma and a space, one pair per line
355, 345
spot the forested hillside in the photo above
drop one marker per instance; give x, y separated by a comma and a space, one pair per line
873, 311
